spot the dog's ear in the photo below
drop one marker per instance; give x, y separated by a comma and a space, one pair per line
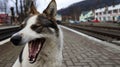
33, 9
51, 10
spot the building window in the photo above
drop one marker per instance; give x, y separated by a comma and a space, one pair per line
104, 12
100, 13
96, 13
115, 11
109, 12
104, 18
109, 18
113, 18
99, 18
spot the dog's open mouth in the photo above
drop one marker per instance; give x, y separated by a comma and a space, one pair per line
35, 47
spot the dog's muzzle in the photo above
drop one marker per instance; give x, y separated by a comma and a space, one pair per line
34, 46
16, 40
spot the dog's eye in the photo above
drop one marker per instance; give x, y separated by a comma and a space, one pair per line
37, 28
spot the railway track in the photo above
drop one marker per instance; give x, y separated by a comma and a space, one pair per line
109, 34
6, 32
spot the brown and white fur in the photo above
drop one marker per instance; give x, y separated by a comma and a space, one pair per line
40, 26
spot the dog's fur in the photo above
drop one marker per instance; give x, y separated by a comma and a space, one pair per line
41, 26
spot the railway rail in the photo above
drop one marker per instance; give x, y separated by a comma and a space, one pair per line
105, 33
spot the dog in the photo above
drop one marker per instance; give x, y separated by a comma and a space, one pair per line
42, 37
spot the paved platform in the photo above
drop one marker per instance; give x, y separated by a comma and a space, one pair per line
6, 27
78, 51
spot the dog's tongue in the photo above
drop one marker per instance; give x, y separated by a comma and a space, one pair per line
34, 47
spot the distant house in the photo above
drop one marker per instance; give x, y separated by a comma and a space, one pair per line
3, 17
110, 13
86, 16
58, 17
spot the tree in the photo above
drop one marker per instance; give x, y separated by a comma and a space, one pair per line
27, 4
21, 6
16, 4
24, 8
113, 2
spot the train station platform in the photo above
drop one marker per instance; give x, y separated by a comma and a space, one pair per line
6, 27
79, 50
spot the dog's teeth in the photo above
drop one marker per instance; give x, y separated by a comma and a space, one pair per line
31, 60
37, 51
39, 47
30, 46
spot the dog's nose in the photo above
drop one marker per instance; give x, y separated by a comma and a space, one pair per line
16, 40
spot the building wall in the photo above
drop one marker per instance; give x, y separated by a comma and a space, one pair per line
85, 15
58, 17
110, 13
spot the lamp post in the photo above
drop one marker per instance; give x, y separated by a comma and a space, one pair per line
12, 15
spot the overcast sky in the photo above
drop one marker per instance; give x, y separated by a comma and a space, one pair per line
42, 4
